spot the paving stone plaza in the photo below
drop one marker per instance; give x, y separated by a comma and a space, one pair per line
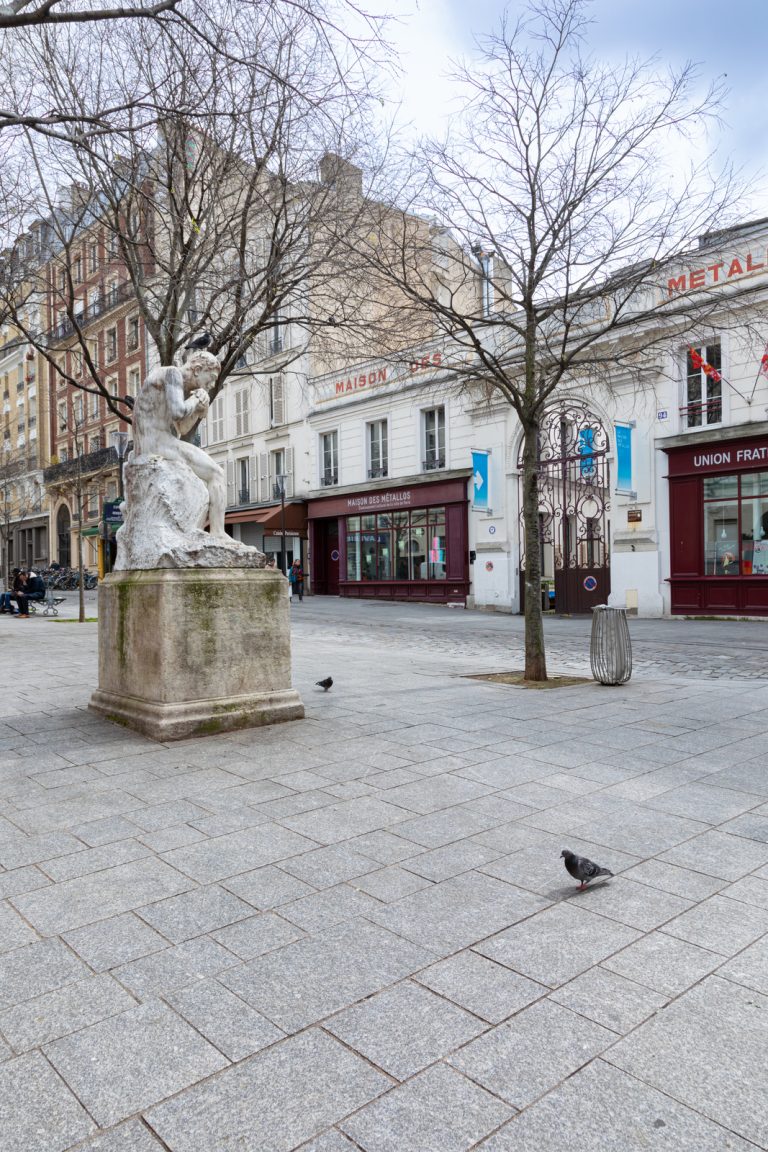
355, 931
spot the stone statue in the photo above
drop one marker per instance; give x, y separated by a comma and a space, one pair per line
173, 487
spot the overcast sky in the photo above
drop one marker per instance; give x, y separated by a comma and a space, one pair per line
728, 38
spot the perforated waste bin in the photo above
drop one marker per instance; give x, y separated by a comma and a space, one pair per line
610, 653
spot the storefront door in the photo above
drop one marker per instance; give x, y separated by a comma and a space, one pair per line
325, 562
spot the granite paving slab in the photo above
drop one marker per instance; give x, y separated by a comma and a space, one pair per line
716, 1017
225, 856
118, 940
609, 999
385, 847
257, 935
133, 1136
718, 854
224, 1019
704, 801
174, 967
487, 989
64, 1010
722, 925
750, 889
36, 969
129, 1062
195, 913
19, 880
750, 967
14, 932
330, 1141
633, 904
672, 878
331, 906
600, 1109
405, 1028
19, 850
750, 825
75, 903
344, 820
267, 887
38, 1113
437, 1111
273, 1101
306, 981
390, 884
458, 912
557, 944
451, 860
665, 963
528, 1055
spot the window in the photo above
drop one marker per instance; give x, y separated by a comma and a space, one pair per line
93, 257
77, 362
736, 525
133, 333
434, 438
216, 419
377, 449
703, 387
112, 245
243, 480
77, 274
242, 412
94, 404
276, 401
329, 458
111, 344
77, 409
397, 545
63, 416
134, 381
93, 352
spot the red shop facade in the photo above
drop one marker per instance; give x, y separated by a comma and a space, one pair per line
396, 543
718, 505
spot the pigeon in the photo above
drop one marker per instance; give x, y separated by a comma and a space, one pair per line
325, 684
198, 343
582, 869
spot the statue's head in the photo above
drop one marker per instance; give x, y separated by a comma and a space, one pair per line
200, 370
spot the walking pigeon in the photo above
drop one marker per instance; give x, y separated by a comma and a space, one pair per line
582, 869
198, 343
325, 684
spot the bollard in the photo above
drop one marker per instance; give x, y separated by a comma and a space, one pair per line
610, 653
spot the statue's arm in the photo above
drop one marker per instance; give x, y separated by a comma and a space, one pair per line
185, 411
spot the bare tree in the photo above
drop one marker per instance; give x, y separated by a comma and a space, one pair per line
563, 183
225, 198
19, 498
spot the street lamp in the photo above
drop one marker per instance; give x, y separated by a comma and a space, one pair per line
120, 444
281, 478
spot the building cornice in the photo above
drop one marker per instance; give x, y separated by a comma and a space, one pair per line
713, 435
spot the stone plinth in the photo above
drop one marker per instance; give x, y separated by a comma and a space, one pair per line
191, 652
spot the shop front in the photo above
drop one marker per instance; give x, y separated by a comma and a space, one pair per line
396, 543
278, 531
718, 506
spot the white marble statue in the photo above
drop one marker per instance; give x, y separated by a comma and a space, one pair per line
173, 487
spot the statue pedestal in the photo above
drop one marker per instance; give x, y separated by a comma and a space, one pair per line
191, 652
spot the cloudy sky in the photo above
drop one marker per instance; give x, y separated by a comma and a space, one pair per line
723, 38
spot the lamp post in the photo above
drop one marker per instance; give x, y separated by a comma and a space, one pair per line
281, 478
120, 444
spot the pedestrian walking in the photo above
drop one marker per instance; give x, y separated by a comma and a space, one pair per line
296, 580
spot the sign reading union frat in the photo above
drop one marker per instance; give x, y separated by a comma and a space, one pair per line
374, 376
720, 273
738, 456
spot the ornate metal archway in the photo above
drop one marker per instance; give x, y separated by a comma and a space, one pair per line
574, 506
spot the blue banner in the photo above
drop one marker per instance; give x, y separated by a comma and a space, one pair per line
480, 480
623, 458
586, 451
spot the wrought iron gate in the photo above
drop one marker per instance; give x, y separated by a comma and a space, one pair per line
574, 494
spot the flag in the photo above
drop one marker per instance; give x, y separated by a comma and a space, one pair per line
764, 362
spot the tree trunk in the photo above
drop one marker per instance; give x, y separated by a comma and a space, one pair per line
535, 658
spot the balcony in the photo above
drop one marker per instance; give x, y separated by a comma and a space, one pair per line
244, 496
329, 478
433, 462
378, 473
275, 345
93, 311
86, 464
702, 413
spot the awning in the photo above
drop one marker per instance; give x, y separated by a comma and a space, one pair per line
271, 518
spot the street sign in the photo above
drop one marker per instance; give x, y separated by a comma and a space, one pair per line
112, 512
480, 480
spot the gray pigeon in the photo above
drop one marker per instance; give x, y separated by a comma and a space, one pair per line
582, 869
199, 343
325, 684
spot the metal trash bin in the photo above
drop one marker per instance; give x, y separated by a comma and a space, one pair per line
610, 652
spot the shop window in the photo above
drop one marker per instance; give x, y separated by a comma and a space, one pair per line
329, 458
378, 455
433, 435
703, 387
736, 525
397, 546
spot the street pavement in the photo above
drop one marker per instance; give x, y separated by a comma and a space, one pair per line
355, 931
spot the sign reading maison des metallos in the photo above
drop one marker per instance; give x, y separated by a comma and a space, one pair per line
374, 376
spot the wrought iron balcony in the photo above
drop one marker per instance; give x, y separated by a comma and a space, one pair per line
329, 477
244, 496
274, 345
93, 311
84, 465
432, 463
378, 473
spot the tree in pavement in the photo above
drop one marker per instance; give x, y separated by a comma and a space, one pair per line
570, 184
